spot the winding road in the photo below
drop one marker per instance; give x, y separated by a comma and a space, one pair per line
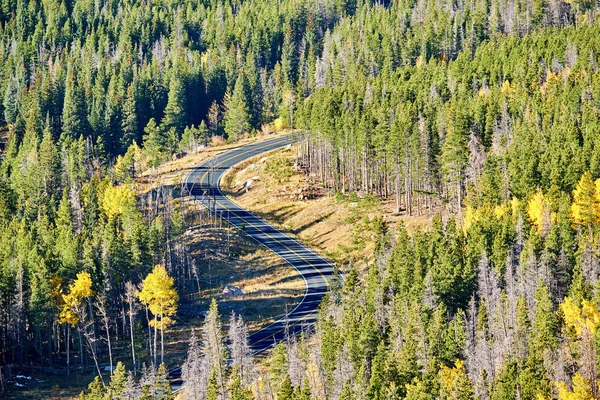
204, 184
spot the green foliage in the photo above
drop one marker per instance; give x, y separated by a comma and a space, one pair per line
237, 114
438, 105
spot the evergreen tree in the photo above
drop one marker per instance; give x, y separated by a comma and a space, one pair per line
286, 391
74, 121
162, 387
118, 382
175, 112
129, 124
154, 144
237, 115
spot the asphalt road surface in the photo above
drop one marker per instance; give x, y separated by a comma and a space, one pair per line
204, 184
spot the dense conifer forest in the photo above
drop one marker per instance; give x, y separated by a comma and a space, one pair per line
484, 113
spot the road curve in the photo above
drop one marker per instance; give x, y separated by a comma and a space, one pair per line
204, 184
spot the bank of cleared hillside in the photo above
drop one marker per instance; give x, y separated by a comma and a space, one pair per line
343, 227
223, 255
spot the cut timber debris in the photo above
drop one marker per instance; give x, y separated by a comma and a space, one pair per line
307, 193
232, 291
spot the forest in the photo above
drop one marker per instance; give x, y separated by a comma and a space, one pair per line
484, 114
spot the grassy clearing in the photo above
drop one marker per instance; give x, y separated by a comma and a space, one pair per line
339, 226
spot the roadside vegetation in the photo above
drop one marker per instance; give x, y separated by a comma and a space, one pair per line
451, 165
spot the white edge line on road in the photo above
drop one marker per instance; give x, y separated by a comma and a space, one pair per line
285, 318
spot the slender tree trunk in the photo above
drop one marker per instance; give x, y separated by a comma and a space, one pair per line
162, 339
155, 334
110, 358
68, 353
132, 341
90, 340
80, 348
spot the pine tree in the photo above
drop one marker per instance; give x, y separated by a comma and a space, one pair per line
95, 390
162, 387
214, 349
154, 144
286, 391
545, 323
74, 120
377, 382
289, 60
212, 391
455, 155
129, 124
118, 382
586, 203
236, 390
48, 161
237, 116
66, 243
175, 112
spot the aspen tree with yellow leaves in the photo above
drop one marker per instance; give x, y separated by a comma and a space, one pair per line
586, 203
580, 391
160, 296
538, 211
455, 384
583, 321
485, 110
73, 311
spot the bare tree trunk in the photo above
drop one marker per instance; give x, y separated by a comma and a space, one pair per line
155, 334
68, 352
90, 340
80, 348
130, 297
162, 339
101, 305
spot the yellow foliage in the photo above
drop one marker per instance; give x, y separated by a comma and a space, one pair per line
506, 87
584, 319
419, 62
416, 390
279, 124
581, 389
82, 286
585, 209
204, 58
79, 289
454, 382
538, 212
551, 77
449, 375
159, 294
500, 211
56, 293
473, 215
469, 218
117, 200
515, 205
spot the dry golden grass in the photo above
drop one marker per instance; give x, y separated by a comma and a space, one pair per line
173, 172
337, 226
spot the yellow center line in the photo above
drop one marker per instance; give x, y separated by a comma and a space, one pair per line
271, 237
254, 226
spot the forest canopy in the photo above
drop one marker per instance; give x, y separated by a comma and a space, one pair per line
484, 113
